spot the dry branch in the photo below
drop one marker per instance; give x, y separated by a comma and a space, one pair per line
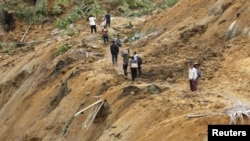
26, 32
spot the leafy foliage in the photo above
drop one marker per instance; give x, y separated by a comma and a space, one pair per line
171, 3
57, 10
96, 9
41, 7
64, 48
58, 7
70, 31
78, 12
64, 22
62, 2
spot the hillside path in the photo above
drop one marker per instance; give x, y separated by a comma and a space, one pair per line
117, 67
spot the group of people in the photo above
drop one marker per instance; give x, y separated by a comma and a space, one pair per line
105, 32
194, 74
134, 63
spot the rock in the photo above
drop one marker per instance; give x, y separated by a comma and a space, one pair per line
153, 89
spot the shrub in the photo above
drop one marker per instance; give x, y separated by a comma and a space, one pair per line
64, 48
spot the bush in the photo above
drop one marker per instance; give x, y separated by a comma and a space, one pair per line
171, 3
64, 48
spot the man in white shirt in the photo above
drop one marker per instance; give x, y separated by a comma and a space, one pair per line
192, 77
92, 23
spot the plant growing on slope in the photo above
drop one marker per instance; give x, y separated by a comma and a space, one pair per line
77, 12
41, 7
64, 48
171, 3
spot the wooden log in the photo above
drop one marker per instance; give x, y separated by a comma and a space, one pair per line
197, 116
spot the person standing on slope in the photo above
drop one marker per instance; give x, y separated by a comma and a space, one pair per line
125, 56
105, 35
114, 49
137, 57
192, 76
92, 23
133, 68
118, 40
198, 71
107, 19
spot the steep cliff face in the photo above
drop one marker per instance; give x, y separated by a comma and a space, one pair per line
41, 90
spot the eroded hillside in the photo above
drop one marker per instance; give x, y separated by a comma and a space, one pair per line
41, 91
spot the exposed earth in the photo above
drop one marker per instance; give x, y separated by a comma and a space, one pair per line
41, 91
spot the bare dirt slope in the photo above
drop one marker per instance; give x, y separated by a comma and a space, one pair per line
41, 91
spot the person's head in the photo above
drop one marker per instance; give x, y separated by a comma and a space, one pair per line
113, 41
196, 64
108, 11
135, 53
105, 26
90, 15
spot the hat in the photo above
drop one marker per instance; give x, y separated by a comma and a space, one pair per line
196, 63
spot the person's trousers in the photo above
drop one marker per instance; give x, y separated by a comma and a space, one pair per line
193, 85
139, 70
107, 22
133, 73
105, 38
93, 28
114, 58
125, 68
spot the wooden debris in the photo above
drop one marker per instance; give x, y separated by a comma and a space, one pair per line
197, 116
80, 112
25, 32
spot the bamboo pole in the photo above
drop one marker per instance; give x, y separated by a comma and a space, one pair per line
94, 115
93, 104
197, 116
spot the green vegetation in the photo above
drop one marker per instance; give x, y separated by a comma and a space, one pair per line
41, 7
64, 48
70, 31
71, 17
58, 7
38, 12
78, 12
171, 3
142, 7
7, 48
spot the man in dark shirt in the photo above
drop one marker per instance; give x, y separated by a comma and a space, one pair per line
114, 49
108, 18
